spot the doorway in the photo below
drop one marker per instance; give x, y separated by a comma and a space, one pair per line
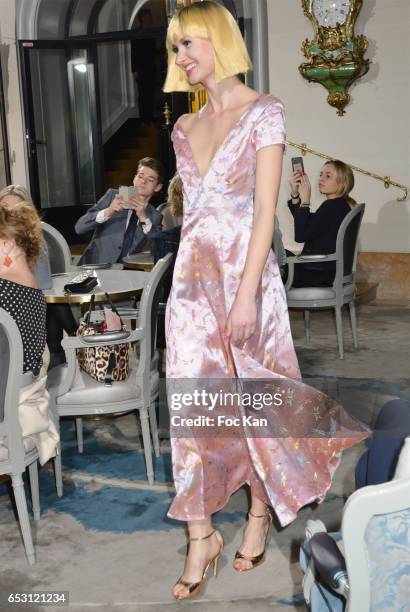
62, 131
92, 101
5, 174
84, 129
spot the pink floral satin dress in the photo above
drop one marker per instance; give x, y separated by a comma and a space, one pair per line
286, 473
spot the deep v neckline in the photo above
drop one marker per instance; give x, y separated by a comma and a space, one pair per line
218, 149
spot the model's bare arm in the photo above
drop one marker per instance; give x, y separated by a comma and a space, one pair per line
268, 175
242, 318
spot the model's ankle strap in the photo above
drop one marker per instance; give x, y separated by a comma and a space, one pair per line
259, 515
203, 537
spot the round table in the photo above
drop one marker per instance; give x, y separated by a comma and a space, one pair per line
119, 284
139, 261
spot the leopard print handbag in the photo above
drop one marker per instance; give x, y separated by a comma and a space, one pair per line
103, 363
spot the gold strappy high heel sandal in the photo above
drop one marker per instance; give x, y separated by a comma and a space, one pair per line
195, 588
258, 559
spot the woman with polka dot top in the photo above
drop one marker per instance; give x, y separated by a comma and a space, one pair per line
20, 247
21, 243
59, 317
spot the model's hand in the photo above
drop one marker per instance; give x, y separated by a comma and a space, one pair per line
294, 183
241, 321
115, 206
305, 189
138, 207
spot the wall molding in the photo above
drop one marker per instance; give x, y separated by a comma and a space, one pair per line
389, 271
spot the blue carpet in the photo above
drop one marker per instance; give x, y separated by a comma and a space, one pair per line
108, 508
103, 460
297, 601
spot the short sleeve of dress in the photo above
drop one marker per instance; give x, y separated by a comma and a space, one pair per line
270, 126
173, 131
177, 129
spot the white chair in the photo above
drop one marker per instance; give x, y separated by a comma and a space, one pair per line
75, 393
18, 453
58, 250
372, 573
344, 286
368, 564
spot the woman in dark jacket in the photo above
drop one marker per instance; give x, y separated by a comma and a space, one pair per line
319, 230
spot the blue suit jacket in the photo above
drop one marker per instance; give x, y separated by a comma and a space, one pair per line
106, 243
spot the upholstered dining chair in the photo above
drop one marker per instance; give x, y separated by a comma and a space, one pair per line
344, 285
58, 250
372, 572
18, 453
366, 566
75, 393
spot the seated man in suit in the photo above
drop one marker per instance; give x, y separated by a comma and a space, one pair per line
120, 231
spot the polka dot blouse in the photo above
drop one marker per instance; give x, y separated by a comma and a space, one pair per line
27, 306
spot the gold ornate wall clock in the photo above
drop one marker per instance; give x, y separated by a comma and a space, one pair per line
335, 57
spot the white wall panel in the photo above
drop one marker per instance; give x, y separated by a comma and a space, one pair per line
375, 131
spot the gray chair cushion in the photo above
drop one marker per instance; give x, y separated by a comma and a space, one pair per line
311, 293
86, 390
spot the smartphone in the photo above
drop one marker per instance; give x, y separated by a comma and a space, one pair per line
126, 192
297, 165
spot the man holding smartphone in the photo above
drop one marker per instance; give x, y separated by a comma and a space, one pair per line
122, 227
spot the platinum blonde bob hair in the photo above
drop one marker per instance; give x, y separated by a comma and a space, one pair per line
206, 20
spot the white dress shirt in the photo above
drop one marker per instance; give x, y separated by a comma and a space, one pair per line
101, 218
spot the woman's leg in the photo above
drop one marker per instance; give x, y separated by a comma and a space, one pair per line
200, 552
67, 320
59, 319
306, 277
254, 537
54, 329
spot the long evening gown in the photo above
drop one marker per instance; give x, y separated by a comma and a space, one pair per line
287, 473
